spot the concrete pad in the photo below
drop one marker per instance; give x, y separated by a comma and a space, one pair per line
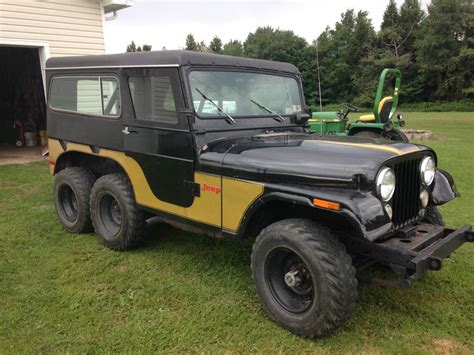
13, 155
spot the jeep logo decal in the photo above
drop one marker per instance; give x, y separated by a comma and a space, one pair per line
206, 187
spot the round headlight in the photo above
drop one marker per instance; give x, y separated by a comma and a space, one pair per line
385, 183
427, 170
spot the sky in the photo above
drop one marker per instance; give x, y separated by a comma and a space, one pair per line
166, 23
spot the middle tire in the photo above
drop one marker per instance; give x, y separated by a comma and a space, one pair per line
117, 220
304, 277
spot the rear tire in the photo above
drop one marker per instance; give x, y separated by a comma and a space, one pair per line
72, 188
304, 277
117, 220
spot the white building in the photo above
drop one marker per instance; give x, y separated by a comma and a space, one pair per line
30, 32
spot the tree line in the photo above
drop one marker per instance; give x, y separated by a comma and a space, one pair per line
434, 50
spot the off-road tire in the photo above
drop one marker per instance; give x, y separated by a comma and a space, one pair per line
433, 216
72, 189
330, 267
115, 190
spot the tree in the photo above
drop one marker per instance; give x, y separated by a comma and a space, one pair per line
282, 46
201, 47
191, 44
132, 47
345, 52
398, 29
411, 15
216, 45
271, 44
446, 48
391, 16
233, 47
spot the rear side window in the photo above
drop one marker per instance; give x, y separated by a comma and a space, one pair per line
153, 97
88, 95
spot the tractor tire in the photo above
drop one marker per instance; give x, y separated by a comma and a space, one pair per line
304, 277
368, 134
393, 135
72, 189
396, 135
116, 218
433, 216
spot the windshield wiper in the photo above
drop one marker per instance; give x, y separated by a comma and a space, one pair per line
229, 118
278, 117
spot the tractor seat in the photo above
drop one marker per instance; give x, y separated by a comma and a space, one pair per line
385, 106
367, 118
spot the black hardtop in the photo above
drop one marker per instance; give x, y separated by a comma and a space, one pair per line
166, 58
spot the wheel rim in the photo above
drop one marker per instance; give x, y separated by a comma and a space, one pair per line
110, 214
68, 202
290, 280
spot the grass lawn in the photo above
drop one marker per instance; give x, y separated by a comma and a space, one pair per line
181, 292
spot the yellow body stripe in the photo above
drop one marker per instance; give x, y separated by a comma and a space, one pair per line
385, 148
237, 195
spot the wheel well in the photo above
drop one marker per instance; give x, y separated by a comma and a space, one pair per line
97, 165
276, 210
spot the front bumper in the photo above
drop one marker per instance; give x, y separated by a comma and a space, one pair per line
414, 250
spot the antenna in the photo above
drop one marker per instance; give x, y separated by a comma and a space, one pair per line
319, 79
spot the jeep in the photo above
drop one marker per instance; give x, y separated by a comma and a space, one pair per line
221, 145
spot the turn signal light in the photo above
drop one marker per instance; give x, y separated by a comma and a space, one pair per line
327, 204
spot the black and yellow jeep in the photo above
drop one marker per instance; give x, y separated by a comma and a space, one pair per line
220, 145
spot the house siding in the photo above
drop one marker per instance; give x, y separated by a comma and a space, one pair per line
69, 27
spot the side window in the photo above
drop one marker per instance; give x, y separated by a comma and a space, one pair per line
88, 95
153, 98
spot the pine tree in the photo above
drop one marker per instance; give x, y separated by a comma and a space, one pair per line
216, 45
191, 44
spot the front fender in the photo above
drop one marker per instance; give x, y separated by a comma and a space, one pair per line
362, 209
444, 188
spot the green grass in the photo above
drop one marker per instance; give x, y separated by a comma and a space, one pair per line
182, 292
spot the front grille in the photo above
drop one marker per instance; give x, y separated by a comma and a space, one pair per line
406, 199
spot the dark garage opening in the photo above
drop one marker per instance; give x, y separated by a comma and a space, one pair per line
22, 100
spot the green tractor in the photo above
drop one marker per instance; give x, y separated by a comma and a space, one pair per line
380, 124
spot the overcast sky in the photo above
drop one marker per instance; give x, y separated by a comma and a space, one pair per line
165, 23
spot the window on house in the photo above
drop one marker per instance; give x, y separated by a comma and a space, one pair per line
87, 95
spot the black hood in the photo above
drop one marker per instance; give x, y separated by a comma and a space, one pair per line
285, 158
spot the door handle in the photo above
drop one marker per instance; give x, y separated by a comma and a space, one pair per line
127, 131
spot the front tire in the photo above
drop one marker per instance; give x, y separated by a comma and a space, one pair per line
72, 188
304, 277
433, 216
117, 220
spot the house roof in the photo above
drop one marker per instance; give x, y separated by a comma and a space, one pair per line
172, 58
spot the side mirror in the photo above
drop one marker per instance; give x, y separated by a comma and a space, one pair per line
302, 118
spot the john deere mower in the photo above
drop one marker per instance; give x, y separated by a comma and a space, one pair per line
379, 124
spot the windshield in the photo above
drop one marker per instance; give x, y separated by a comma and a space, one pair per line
244, 94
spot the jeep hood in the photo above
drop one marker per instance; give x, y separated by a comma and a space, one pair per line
287, 158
